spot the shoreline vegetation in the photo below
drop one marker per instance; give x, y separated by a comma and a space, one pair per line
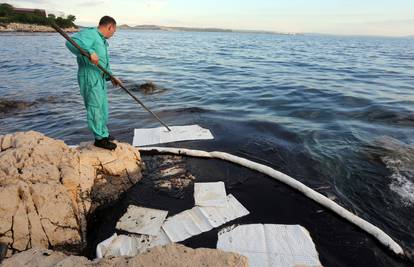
14, 19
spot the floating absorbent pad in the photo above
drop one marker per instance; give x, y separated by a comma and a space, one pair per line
202, 219
211, 194
270, 244
151, 136
140, 220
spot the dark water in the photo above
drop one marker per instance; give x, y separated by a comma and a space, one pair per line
337, 113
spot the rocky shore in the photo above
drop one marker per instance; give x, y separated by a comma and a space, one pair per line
47, 191
21, 27
171, 255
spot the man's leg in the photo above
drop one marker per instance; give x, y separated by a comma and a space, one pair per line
96, 122
96, 102
105, 112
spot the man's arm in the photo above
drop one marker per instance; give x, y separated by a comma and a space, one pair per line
116, 82
85, 39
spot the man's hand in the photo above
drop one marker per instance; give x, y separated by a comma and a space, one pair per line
116, 82
94, 58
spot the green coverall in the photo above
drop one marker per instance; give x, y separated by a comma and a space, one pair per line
91, 80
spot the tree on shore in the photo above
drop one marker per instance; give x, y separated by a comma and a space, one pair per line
8, 15
71, 18
5, 9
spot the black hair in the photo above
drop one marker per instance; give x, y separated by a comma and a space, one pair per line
105, 20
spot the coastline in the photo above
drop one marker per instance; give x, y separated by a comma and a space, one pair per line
38, 232
21, 27
92, 189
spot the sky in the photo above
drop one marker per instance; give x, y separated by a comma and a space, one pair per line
344, 17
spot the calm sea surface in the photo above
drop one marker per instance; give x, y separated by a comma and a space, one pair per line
336, 113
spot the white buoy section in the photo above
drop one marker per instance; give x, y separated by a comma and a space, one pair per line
376, 232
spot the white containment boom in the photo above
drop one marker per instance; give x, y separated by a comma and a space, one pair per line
373, 230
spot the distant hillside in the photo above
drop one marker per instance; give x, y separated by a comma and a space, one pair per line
124, 26
167, 28
188, 29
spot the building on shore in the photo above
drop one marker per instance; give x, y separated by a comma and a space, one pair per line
40, 12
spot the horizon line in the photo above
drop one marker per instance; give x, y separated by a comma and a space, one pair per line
267, 31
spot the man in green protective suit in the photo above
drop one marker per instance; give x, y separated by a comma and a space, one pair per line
92, 81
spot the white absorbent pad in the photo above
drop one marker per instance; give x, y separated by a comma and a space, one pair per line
176, 228
142, 220
117, 245
103, 247
124, 245
151, 136
270, 244
202, 219
210, 194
